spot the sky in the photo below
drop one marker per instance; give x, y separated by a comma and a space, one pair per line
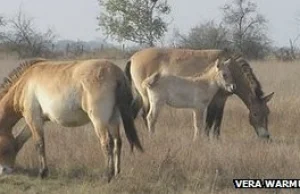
76, 19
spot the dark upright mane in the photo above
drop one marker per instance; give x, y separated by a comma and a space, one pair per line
15, 74
250, 77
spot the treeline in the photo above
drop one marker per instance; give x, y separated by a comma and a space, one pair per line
145, 22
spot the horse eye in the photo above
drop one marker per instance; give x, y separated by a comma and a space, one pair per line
5, 151
224, 75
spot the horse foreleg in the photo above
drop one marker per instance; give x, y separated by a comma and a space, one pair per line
218, 119
215, 112
36, 126
210, 117
199, 116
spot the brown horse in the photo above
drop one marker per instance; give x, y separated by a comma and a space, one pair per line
70, 93
183, 62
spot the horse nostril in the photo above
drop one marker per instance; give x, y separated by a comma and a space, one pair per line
233, 87
5, 170
267, 136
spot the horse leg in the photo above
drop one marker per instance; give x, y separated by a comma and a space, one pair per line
210, 117
153, 115
215, 113
197, 123
211, 112
219, 116
106, 142
145, 109
117, 142
199, 117
36, 126
99, 108
136, 105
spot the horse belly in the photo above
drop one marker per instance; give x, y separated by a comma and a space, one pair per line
65, 111
69, 118
180, 99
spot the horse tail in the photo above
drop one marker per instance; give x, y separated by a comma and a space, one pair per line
151, 81
123, 99
136, 102
127, 71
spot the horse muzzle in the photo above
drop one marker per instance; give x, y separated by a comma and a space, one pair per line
262, 133
4, 170
230, 88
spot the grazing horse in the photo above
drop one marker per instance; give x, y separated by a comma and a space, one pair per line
184, 62
70, 93
187, 92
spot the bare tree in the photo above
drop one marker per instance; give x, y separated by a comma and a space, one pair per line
24, 39
2, 24
207, 35
283, 54
293, 42
248, 28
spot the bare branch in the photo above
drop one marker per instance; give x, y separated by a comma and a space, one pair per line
25, 40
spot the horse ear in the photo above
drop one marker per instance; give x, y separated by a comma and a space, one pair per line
228, 61
268, 97
217, 63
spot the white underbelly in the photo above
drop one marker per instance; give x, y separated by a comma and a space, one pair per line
68, 118
64, 110
180, 100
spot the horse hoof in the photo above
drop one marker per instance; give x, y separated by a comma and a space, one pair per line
107, 176
151, 134
44, 173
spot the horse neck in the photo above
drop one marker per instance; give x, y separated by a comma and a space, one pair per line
8, 116
210, 77
209, 80
243, 90
246, 95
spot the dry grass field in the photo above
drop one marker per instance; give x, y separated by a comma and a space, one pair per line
171, 162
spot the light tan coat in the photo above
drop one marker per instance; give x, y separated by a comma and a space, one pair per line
187, 92
70, 93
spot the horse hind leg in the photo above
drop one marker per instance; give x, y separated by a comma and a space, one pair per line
106, 143
145, 107
152, 116
100, 111
117, 142
136, 104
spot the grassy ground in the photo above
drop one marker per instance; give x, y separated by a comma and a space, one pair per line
171, 163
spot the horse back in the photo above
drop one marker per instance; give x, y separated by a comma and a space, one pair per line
182, 62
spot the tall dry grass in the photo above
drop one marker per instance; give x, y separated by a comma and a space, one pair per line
171, 162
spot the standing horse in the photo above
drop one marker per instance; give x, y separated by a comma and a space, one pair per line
70, 93
184, 62
187, 92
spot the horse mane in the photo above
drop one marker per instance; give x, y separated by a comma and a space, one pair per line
250, 77
15, 74
205, 71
